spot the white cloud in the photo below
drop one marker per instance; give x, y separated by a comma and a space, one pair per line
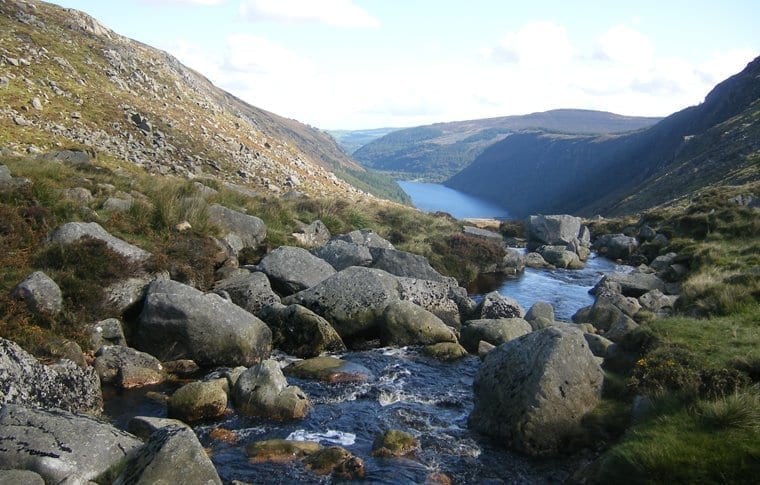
337, 13
184, 2
536, 43
624, 45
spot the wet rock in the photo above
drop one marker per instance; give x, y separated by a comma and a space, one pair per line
343, 254
494, 331
74, 231
250, 229
337, 461
300, 332
180, 322
144, 426
250, 291
405, 323
352, 300
531, 393
328, 369
171, 455
280, 451
182, 368
59, 445
199, 400
494, 305
263, 391
25, 381
394, 443
402, 263
312, 235
445, 351
126, 367
40, 293
292, 269
107, 332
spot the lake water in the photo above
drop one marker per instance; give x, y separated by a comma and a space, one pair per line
430, 197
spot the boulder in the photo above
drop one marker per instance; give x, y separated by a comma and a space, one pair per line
250, 230
405, 323
20, 477
626, 304
535, 260
24, 381
126, 367
79, 195
646, 233
560, 257
312, 235
394, 443
300, 332
144, 426
74, 231
127, 294
70, 157
494, 305
663, 262
343, 254
337, 461
248, 290
494, 331
60, 446
328, 369
657, 302
597, 344
445, 351
280, 451
401, 263
367, 238
439, 298
172, 455
483, 234
352, 300
9, 183
180, 322
199, 400
531, 393
540, 309
107, 332
483, 348
117, 205
632, 284
40, 293
601, 315
263, 391
620, 328
292, 269
552, 230
182, 368
616, 246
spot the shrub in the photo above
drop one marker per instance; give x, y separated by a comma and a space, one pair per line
668, 368
189, 258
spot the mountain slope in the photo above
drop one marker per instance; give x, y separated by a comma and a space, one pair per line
717, 141
67, 81
436, 152
352, 140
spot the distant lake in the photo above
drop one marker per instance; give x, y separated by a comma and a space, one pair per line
436, 197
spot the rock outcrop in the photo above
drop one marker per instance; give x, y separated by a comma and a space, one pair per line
248, 290
126, 367
494, 331
292, 269
40, 293
404, 323
300, 332
262, 390
74, 231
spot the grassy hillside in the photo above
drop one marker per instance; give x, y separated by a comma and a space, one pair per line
435, 152
715, 142
352, 140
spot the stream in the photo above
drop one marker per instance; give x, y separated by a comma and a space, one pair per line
408, 391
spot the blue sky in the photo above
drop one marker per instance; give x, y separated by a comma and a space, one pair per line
375, 63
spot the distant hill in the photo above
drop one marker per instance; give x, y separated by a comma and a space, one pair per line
352, 140
436, 152
68, 81
716, 142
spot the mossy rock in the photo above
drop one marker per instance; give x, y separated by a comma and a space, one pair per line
336, 460
394, 443
445, 351
199, 400
280, 451
328, 369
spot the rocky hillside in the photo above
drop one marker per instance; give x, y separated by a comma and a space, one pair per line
66, 81
715, 142
435, 152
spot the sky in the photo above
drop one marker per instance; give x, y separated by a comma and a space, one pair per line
360, 64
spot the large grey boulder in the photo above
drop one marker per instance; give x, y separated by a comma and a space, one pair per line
439, 298
552, 230
125, 295
312, 235
495, 305
494, 331
248, 290
199, 400
263, 391
180, 322
560, 257
531, 393
540, 309
20, 477
616, 246
292, 269
352, 300
631, 284
59, 445
367, 238
40, 293
74, 231
173, 454
23, 380
405, 323
250, 230
401, 263
483, 234
126, 367
144, 426
300, 332
535, 260
343, 254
